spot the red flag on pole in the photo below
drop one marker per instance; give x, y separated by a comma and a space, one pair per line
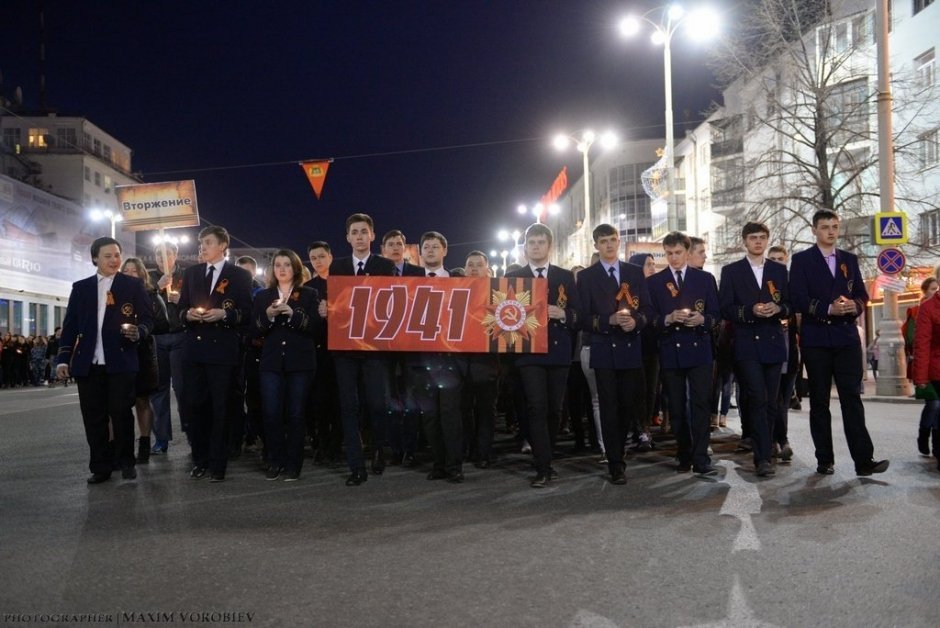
316, 174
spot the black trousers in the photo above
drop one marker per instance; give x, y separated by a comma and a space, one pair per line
760, 383
622, 397
691, 428
781, 420
103, 398
437, 392
844, 365
207, 393
544, 388
362, 382
323, 413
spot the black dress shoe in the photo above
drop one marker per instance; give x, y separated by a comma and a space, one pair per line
871, 466
98, 478
825, 468
408, 461
437, 474
539, 481
764, 468
378, 462
216, 476
197, 472
357, 477
455, 478
552, 474
706, 471
618, 478
683, 467
129, 473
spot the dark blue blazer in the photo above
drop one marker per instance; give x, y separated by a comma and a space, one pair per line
129, 303
611, 347
375, 265
216, 343
319, 284
290, 344
680, 346
559, 334
813, 289
755, 338
410, 270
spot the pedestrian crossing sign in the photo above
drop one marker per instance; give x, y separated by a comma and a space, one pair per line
890, 228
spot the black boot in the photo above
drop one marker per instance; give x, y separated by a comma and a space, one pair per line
923, 441
936, 447
143, 449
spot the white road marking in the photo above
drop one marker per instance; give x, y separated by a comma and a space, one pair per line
739, 613
743, 500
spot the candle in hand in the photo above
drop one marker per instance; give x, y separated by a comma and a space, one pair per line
200, 311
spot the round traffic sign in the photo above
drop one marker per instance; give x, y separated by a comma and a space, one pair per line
891, 261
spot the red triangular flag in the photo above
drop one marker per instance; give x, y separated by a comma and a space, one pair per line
316, 174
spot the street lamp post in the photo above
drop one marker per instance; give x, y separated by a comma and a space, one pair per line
583, 144
703, 24
106, 214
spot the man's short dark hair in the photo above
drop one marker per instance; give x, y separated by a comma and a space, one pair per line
824, 214
101, 242
674, 238
603, 230
754, 227
778, 248
694, 241
318, 244
366, 218
433, 235
246, 259
456, 272
394, 233
220, 233
479, 254
539, 229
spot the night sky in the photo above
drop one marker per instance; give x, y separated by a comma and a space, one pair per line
199, 85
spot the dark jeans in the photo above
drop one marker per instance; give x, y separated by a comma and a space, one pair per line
691, 428
544, 388
207, 396
621, 393
284, 401
362, 378
844, 365
760, 383
170, 363
930, 415
105, 398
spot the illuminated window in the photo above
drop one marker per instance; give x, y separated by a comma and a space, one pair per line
37, 138
107, 184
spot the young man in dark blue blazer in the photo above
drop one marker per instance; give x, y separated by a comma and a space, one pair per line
107, 315
827, 288
215, 308
368, 367
754, 296
615, 308
685, 304
545, 376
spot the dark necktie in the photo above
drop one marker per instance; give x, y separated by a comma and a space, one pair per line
397, 272
361, 270
679, 279
539, 271
612, 275
209, 279
432, 274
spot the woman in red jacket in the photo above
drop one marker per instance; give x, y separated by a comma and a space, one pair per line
927, 358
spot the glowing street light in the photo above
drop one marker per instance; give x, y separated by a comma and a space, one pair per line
98, 215
702, 23
583, 143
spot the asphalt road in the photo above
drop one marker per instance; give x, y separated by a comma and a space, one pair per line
797, 549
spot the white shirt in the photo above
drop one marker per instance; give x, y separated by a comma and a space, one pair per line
685, 274
758, 273
104, 286
544, 268
215, 274
356, 260
438, 272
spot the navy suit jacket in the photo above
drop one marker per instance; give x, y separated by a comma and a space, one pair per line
559, 334
319, 284
216, 343
290, 344
813, 289
681, 346
755, 338
410, 270
611, 347
129, 303
375, 265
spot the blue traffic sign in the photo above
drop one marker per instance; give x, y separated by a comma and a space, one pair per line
891, 261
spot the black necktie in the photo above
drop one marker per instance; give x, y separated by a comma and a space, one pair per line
361, 271
432, 274
397, 272
612, 275
209, 279
679, 279
539, 271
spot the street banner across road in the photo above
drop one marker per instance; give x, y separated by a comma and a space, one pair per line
457, 314
148, 206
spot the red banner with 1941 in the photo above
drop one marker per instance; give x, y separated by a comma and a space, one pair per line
450, 314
